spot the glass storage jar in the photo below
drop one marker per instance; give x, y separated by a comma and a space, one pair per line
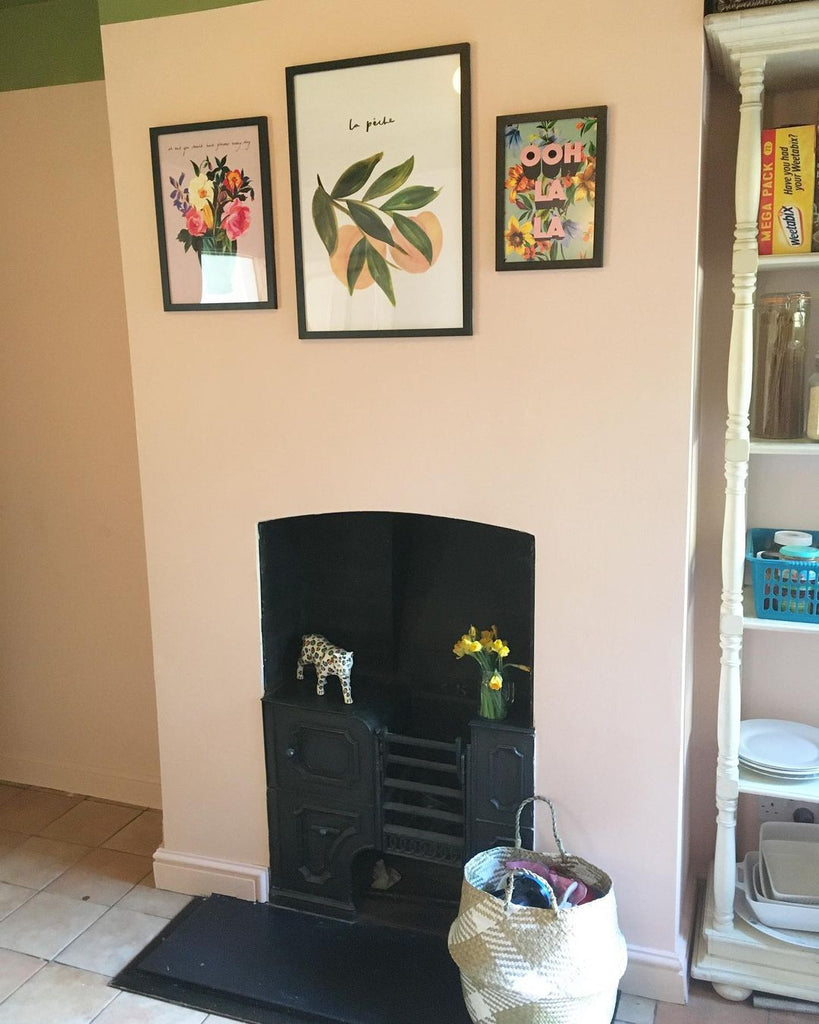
780, 338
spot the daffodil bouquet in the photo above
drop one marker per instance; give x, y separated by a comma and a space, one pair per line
215, 204
490, 653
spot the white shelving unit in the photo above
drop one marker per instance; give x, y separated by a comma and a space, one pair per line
774, 48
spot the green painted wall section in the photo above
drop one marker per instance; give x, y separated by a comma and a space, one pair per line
57, 42
138, 10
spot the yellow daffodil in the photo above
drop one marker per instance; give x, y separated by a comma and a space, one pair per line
200, 192
518, 236
495, 683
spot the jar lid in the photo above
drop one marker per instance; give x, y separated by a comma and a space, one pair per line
793, 538
800, 554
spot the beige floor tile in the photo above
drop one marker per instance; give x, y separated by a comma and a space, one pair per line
143, 835
57, 995
9, 840
102, 876
112, 941
32, 809
36, 862
46, 924
787, 1017
7, 791
704, 1005
15, 968
132, 1009
91, 822
12, 897
635, 1010
146, 898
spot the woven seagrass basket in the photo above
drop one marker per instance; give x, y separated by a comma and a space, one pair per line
533, 965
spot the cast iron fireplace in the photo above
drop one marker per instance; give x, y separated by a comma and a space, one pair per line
406, 780
403, 784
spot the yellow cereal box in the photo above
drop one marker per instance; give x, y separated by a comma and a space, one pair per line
786, 196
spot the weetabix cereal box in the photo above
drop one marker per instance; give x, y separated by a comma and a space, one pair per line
787, 190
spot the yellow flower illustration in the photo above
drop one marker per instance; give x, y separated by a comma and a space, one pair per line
495, 683
585, 181
517, 181
200, 192
518, 236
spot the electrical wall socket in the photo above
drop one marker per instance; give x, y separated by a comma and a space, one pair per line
773, 809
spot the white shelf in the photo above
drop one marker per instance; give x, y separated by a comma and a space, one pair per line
784, 789
757, 49
743, 958
808, 259
803, 447
785, 37
750, 620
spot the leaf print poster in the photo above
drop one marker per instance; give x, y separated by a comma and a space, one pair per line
379, 154
551, 176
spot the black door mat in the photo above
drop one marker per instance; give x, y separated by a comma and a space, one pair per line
263, 964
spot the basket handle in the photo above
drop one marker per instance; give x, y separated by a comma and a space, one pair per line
509, 885
558, 842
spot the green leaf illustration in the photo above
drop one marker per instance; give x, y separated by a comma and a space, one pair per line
324, 217
415, 234
377, 266
370, 223
355, 177
355, 263
390, 180
412, 198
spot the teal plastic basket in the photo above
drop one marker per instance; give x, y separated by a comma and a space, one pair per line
784, 590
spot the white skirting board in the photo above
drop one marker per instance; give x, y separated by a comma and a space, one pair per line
80, 779
201, 876
656, 974
653, 974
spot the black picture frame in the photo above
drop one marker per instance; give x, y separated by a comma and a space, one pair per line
550, 189
393, 131
231, 215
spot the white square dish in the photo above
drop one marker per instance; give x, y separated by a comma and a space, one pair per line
789, 854
791, 916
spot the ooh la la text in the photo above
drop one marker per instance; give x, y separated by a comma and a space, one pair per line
547, 156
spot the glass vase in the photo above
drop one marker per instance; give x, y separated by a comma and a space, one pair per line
494, 704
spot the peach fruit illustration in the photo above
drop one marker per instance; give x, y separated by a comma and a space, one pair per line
415, 262
348, 237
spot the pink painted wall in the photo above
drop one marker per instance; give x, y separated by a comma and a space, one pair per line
568, 414
77, 710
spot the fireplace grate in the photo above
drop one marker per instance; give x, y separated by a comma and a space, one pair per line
423, 798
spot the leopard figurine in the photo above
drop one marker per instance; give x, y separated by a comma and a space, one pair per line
328, 660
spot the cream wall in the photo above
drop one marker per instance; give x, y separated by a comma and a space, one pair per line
77, 705
568, 414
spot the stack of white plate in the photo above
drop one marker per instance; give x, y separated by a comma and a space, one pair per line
781, 750
781, 881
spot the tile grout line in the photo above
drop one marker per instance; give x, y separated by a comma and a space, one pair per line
45, 961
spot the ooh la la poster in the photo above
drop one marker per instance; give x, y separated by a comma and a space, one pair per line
550, 168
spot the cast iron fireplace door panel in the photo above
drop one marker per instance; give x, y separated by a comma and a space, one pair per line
322, 797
